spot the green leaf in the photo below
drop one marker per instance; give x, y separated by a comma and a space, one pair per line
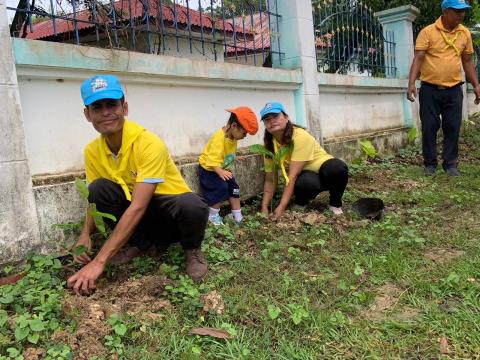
120, 329
358, 270
33, 338
3, 317
197, 350
106, 215
79, 250
14, 353
6, 299
21, 333
260, 150
412, 135
273, 311
37, 325
98, 220
82, 188
282, 152
368, 149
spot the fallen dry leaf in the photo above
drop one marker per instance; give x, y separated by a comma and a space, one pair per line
213, 302
12, 279
216, 333
313, 219
444, 349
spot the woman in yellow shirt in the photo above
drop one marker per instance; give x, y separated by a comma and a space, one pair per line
311, 169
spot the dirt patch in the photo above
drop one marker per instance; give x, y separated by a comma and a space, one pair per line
33, 354
441, 256
383, 181
386, 299
135, 297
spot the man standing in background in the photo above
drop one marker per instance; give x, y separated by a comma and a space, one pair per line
441, 49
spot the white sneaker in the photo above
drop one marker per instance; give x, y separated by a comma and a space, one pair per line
216, 220
335, 210
230, 216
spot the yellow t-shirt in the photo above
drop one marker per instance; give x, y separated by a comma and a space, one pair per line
305, 148
442, 63
143, 157
219, 150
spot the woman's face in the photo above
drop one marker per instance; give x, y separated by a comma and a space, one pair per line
275, 123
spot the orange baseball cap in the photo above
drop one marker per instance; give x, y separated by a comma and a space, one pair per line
247, 118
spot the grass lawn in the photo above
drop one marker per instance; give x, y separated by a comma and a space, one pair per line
313, 286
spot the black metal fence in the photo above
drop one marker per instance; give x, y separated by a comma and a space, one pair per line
350, 40
229, 30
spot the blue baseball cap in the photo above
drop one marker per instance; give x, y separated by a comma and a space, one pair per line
272, 108
101, 87
455, 4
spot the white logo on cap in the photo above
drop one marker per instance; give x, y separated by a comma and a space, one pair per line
268, 106
99, 84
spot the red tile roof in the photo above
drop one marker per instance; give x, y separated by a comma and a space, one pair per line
261, 34
45, 29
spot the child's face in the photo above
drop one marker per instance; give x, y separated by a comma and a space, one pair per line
238, 132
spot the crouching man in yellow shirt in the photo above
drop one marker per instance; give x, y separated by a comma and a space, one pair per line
132, 176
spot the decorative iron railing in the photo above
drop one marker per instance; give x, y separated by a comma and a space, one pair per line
350, 40
220, 30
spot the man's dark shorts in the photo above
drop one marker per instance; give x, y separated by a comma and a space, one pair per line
216, 190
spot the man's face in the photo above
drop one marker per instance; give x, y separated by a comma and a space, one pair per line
454, 17
107, 116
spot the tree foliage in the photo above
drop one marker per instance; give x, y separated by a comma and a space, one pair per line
429, 10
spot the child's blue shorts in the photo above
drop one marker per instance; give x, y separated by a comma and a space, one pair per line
214, 189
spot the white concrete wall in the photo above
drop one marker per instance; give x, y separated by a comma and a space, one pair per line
353, 106
181, 100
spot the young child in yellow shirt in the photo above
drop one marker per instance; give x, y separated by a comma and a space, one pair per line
217, 181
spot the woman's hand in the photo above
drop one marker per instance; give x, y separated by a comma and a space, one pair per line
277, 214
264, 209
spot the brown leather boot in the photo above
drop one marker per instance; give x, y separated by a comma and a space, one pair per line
196, 264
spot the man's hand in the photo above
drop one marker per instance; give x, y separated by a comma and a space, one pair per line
476, 90
411, 92
224, 174
83, 281
86, 242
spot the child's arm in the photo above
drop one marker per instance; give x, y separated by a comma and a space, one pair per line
224, 174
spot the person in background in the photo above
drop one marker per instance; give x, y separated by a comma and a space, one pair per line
441, 50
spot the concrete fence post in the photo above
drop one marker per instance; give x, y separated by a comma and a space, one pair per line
19, 231
399, 21
297, 43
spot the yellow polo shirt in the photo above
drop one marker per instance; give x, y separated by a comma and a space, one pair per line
218, 150
442, 64
305, 148
143, 157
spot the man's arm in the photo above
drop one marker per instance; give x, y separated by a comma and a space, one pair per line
414, 73
84, 279
471, 75
85, 241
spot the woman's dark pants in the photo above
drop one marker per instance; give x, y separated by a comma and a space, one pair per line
332, 177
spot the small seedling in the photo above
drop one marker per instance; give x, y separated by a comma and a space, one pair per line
97, 216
